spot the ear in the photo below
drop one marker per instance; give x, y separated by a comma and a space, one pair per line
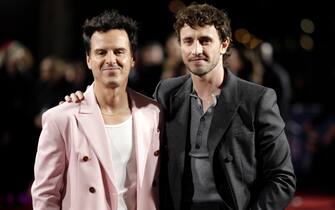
224, 46
88, 61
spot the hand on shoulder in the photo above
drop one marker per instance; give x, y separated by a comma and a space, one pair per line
75, 97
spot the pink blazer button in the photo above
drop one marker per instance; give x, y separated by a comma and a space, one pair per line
85, 158
92, 190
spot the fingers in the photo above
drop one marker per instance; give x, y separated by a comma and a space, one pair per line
74, 98
67, 98
80, 95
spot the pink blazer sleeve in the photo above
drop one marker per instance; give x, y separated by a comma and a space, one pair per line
49, 167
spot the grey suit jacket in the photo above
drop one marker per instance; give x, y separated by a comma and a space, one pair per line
248, 147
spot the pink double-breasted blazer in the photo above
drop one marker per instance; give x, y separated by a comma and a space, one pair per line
73, 166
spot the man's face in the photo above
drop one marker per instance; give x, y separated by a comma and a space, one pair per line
201, 48
110, 58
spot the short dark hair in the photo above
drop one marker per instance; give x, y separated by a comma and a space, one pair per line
201, 15
107, 20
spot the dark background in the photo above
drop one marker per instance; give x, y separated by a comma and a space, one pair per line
54, 27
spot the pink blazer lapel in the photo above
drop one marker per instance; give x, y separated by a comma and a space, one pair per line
142, 137
92, 124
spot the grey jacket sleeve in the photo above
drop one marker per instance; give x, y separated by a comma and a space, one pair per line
278, 179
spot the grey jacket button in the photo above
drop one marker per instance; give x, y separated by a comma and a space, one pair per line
228, 159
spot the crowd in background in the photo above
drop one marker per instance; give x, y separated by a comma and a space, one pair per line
30, 87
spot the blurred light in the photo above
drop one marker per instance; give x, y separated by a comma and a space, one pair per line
242, 35
254, 42
297, 201
176, 5
307, 26
306, 42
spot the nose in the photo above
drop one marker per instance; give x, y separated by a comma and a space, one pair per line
197, 48
110, 58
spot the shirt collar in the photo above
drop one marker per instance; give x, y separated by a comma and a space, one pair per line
194, 94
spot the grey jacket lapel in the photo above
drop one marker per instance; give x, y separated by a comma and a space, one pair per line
177, 129
224, 111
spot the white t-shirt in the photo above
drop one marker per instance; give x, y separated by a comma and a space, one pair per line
121, 144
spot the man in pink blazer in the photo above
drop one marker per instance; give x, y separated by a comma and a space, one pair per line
101, 154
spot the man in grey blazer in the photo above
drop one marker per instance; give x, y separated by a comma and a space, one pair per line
224, 145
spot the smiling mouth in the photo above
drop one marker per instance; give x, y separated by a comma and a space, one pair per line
198, 59
111, 69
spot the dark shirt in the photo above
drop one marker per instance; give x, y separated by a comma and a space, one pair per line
202, 173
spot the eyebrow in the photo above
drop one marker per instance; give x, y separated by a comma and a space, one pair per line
104, 49
120, 48
199, 38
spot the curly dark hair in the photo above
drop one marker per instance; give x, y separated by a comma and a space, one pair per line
201, 15
107, 20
